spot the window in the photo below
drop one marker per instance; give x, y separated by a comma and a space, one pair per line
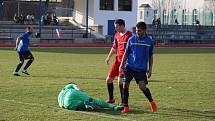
125, 5
184, 17
155, 14
147, 13
141, 14
208, 16
106, 4
194, 16
165, 17
173, 16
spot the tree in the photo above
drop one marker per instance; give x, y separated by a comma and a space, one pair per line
210, 5
165, 7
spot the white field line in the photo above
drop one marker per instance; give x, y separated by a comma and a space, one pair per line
83, 112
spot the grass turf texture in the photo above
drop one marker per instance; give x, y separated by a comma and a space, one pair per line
182, 83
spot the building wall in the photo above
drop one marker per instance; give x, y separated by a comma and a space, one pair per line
80, 12
102, 16
147, 15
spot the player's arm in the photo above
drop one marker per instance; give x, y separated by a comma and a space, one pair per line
17, 41
149, 72
111, 53
125, 56
122, 65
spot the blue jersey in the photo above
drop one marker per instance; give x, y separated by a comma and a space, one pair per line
24, 42
139, 50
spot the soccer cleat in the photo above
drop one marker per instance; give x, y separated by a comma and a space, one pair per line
118, 108
125, 110
121, 104
110, 101
16, 74
25, 72
153, 106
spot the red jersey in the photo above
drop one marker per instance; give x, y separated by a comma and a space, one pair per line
120, 44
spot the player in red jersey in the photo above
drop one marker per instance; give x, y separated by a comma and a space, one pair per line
120, 40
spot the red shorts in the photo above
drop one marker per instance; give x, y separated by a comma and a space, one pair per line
114, 70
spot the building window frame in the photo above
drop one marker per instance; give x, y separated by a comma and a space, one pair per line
184, 17
194, 16
174, 16
155, 14
165, 17
208, 16
141, 14
106, 5
124, 5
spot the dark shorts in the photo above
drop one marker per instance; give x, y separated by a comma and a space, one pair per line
25, 55
137, 75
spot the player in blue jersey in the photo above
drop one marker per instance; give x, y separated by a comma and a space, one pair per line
22, 43
137, 63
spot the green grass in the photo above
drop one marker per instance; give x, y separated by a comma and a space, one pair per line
182, 83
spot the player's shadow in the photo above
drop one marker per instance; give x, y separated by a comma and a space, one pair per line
115, 113
108, 111
170, 112
187, 113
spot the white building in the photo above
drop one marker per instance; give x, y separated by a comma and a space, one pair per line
104, 12
185, 11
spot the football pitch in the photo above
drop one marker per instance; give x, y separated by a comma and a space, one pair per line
182, 83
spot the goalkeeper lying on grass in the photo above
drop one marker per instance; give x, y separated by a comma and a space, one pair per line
72, 98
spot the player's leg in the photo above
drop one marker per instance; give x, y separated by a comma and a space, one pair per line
103, 104
147, 93
120, 84
16, 72
21, 61
141, 80
30, 58
113, 72
126, 83
110, 87
121, 78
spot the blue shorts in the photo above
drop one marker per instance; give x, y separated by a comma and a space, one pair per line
137, 75
25, 55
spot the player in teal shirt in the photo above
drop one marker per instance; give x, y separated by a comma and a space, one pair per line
72, 98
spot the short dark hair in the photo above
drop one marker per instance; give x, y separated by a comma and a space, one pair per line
141, 25
120, 22
29, 27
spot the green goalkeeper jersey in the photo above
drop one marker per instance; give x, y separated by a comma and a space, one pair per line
72, 98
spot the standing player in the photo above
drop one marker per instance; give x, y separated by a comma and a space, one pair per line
139, 61
22, 43
120, 39
72, 98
